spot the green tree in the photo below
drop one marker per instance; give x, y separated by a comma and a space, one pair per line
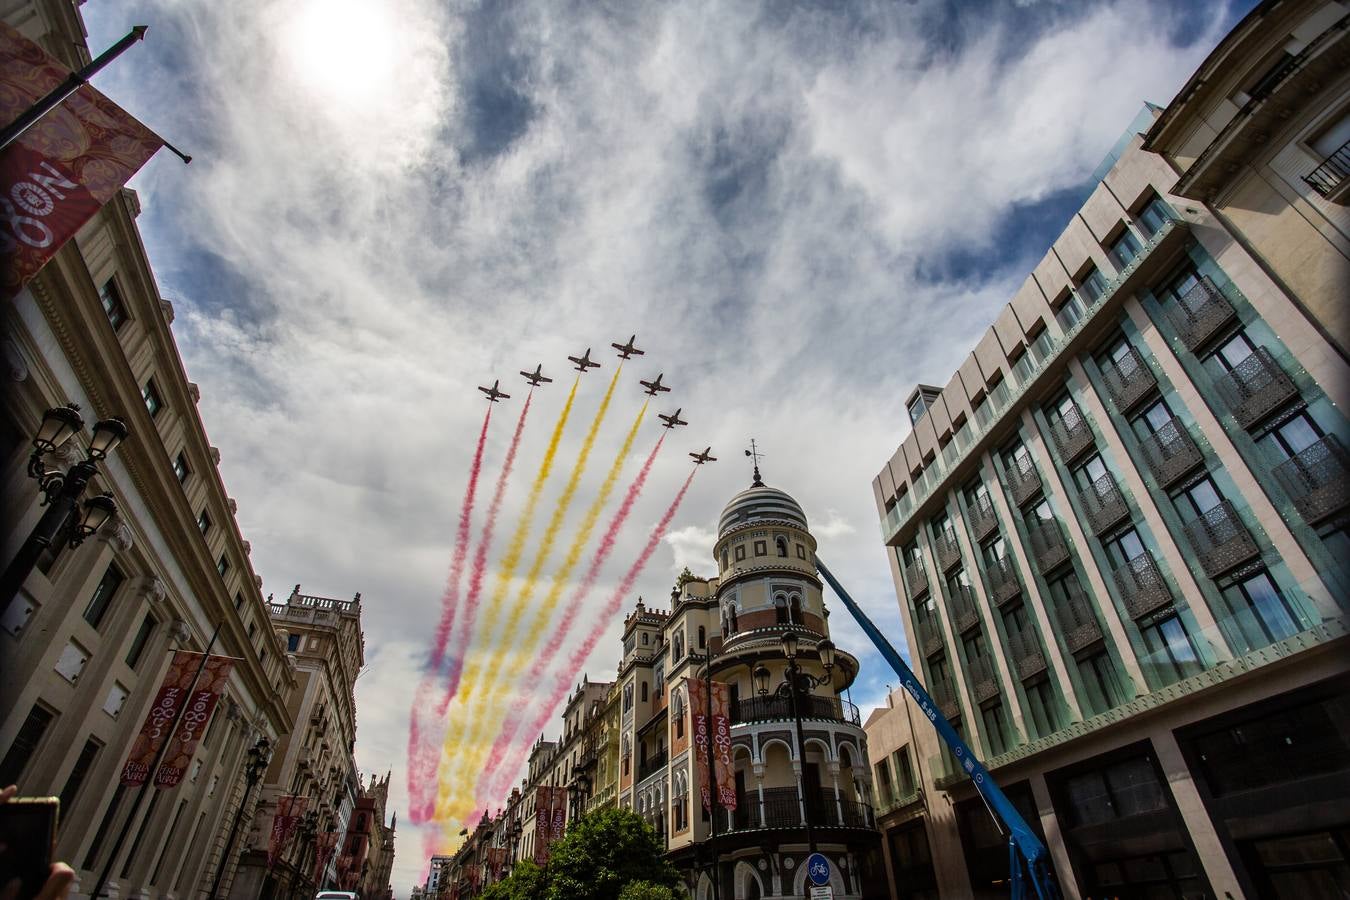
526, 882
645, 890
602, 853
684, 578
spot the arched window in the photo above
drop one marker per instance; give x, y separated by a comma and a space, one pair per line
782, 616
729, 618
702, 637
677, 646
725, 558
781, 543
644, 692
795, 608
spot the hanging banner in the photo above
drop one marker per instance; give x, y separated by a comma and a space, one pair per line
64, 168
543, 819
201, 704
324, 845
172, 690
698, 717
289, 811
721, 744
498, 857
559, 823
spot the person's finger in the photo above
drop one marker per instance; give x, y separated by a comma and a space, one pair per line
8, 793
58, 883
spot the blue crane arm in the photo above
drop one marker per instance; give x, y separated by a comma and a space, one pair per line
1032, 850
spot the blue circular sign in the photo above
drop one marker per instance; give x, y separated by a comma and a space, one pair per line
818, 869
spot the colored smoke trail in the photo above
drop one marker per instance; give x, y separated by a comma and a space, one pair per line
564, 628
469, 757
422, 759
601, 622
507, 569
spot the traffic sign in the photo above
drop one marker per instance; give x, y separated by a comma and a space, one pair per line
818, 868
822, 892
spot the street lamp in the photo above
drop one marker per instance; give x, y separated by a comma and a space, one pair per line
579, 787
258, 758
61, 491
794, 683
513, 832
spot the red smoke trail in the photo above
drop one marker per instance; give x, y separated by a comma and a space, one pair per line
511, 726
616, 599
421, 759
474, 599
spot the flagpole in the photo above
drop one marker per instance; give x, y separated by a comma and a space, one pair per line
154, 767
73, 82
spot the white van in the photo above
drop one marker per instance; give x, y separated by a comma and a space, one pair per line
335, 895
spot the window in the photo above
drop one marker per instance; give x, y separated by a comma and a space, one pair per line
83, 763
646, 639
1171, 656
904, 771
1017, 460
150, 394
725, 560
781, 544
1286, 742
1088, 474
1092, 285
1259, 611
103, 594
1154, 216
995, 728
25, 743
111, 298
1123, 249
139, 642
740, 552
180, 468
1101, 685
222, 565
729, 623
761, 548
252, 630
1127, 788
1042, 707
1124, 547
292, 642
262, 656
801, 551
1292, 437
628, 696
204, 522
1197, 499
238, 599
644, 692
1152, 420
702, 637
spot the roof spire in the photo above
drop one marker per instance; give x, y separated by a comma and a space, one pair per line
755, 455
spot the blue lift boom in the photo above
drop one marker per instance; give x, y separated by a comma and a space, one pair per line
1027, 856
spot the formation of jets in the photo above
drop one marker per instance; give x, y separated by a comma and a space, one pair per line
627, 350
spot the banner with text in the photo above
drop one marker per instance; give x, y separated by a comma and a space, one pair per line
698, 718
559, 823
201, 704
543, 823
289, 811
63, 168
324, 844
721, 744
155, 731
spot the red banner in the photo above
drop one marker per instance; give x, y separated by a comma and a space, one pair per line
698, 718
63, 168
159, 720
497, 859
289, 811
550, 818
559, 813
721, 744
324, 844
209, 687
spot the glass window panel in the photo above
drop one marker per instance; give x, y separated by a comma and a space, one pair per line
1089, 799
1134, 784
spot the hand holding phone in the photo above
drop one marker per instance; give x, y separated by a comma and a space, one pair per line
27, 844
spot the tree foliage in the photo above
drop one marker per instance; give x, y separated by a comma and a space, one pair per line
603, 853
526, 882
646, 890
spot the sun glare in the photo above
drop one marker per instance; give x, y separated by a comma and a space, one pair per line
343, 49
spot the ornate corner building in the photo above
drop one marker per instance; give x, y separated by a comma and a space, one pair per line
1118, 533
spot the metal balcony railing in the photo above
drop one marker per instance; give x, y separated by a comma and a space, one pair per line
1027, 656
929, 633
782, 808
983, 678
944, 695
1075, 618
1023, 484
652, 765
1327, 178
772, 707
1071, 435
1128, 380
1003, 583
916, 579
1221, 541
965, 610
983, 518
1200, 313
947, 549
1255, 388
1171, 453
1317, 479
1142, 585
1048, 547
1104, 504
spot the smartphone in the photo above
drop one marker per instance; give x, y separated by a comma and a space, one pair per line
27, 842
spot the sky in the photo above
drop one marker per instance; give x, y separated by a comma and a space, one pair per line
801, 209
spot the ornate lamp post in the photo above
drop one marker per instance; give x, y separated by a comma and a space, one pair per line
61, 491
259, 756
309, 829
578, 789
513, 833
794, 684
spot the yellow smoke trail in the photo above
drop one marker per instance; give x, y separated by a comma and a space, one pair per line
459, 745
524, 648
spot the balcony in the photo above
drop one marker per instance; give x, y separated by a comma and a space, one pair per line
1048, 547
1023, 484
1220, 539
944, 696
1200, 314
1027, 656
1142, 585
772, 708
1317, 479
1104, 504
781, 808
1255, 388
916, 579
1128, 380
983, 519
965, 611
947, 549
1171, 453
930, 635
1332, 177
983, 678
650, 766
1003, 583
1077, 623
1071, 434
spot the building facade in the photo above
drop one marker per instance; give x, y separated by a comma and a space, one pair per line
1118, 532
629, 743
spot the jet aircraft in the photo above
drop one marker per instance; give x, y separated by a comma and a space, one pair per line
493, 394
701, 458
537, 377
654, 387
628, 350
584, 362
673, 419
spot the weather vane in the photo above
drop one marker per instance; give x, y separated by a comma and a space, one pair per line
754, 454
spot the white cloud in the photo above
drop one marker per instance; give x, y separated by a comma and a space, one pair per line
692, 546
